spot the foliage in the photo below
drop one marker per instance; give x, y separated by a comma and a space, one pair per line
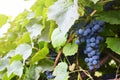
51, 25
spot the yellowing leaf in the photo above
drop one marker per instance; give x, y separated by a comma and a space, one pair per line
3, 19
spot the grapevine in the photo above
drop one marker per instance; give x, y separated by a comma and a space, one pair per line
62, 40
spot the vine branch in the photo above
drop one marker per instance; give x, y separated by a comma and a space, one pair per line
60, 52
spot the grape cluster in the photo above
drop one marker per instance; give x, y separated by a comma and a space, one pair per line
49, 75
89, 36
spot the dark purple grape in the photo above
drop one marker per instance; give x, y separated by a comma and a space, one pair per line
80, 31
97, 41
92, 44
89, 64
77, 41
82, 39
89, 49
95, 62
101, 23
90, 60
96, 27
95, 57
49, 75
85, 33
92, 53
86, 59
92, 39
91, 67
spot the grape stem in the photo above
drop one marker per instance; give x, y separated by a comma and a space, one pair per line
77, 65
113, 57
104, 60
68, 60
117, 72
57, 58
93, 13
86, 73
35, 48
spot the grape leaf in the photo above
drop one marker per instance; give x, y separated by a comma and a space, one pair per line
25, 38
70, 49
44, 35
34, 71
3, 19
5, 76
114, 44
64, 12
61, 68
4, 62
58, 38
30, 15
35, 30
25, 50
95, 1
38, 9
112, 17
62, 77
17, 57
61, 72
46, 64
41, 54
16, 67
11, 53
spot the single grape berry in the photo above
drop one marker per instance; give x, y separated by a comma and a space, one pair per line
77, 41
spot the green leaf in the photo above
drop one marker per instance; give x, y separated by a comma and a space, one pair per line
25, 50
5, 77
61, 71
49, 2
17, 57
70, 49
112, 17
43, 65
95, 1
3, 19
114, 44
35, 30
52, 27
41, 54
25, 38
61, 68
58, 38
44, 35
4, 62
64, 12
38, 7
30, 15
46, 64
34, 71
62, 77
11, 53
16, 67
